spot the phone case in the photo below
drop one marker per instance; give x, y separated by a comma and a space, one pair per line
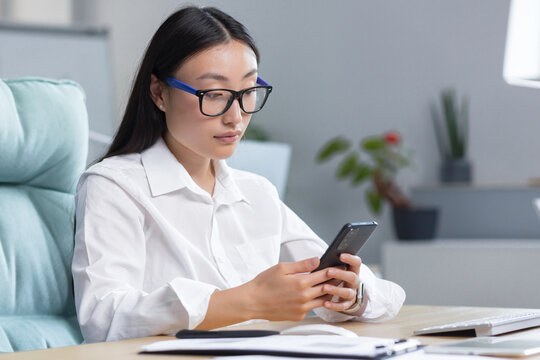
350, 239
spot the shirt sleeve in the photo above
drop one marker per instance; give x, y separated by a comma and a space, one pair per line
383, 298
108, 271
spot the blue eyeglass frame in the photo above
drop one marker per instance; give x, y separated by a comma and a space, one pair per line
236, 94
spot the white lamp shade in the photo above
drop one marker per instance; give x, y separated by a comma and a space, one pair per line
522, 54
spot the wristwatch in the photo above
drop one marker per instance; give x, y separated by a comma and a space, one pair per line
359, 301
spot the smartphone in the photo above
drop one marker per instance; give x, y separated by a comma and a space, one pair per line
350, 239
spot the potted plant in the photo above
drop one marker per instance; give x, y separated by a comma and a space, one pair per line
376, 162
451, 130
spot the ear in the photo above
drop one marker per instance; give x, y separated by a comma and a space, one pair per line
158, 92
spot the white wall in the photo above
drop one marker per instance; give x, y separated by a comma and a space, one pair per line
56, 12
358, 68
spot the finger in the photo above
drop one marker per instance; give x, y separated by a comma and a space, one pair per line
338, 306
326, 297
316, 303
316, 292
344, 293
326, 279
315, 297
327, 293
353, 261
350, 278
332, 282
317, 277
303, 266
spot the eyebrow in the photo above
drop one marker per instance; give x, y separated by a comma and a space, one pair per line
219, 77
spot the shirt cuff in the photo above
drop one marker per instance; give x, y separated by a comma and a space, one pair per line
383, 300
195, 298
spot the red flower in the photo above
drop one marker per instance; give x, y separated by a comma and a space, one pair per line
392, 137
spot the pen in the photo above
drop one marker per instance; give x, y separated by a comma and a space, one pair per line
212, 334
399, 346
405, 345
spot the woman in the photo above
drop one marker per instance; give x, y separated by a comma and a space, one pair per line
169, 237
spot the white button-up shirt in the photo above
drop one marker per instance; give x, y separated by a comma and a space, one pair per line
152, 246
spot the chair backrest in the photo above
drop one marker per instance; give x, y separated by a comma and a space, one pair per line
268, 159
43, 148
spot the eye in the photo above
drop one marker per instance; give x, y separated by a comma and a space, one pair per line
213, 95
251, 92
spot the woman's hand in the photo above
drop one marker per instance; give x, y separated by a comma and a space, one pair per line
350, 279
288, 291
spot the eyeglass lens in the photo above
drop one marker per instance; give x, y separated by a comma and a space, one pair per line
215, 102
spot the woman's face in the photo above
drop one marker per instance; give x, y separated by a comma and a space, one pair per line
231, 65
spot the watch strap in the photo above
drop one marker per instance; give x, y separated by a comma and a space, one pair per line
358, 303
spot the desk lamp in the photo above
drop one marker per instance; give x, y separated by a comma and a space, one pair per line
522, 54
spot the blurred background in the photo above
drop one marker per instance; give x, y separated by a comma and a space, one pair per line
350, 67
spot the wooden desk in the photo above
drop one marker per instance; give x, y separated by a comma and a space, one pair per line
410, 318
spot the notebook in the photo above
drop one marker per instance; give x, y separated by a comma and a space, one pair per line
313, 346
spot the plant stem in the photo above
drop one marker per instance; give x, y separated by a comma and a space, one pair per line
391, 192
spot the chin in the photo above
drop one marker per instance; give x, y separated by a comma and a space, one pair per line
224, 153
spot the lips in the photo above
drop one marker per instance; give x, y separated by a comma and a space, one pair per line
229, 137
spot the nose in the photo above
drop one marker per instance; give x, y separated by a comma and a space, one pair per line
234, 114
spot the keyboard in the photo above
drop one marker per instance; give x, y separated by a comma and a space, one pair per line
487, 326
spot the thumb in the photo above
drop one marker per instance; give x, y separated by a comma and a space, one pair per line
302, 266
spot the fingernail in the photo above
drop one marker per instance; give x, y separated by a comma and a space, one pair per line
313, 262
327, 304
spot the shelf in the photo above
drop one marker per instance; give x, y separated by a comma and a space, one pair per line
478, 212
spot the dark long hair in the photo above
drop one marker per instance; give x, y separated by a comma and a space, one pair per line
184, 33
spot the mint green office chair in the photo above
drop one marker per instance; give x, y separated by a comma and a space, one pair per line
43, 147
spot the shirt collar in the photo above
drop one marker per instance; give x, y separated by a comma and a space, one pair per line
229, 191
165, 174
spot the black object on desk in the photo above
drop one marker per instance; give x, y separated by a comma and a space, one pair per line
212, 334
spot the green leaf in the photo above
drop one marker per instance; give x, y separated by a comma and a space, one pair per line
399, 159
375, 201
333, 147
464, 127
373, 143
347, 166
450, 108
439, 133
362, 173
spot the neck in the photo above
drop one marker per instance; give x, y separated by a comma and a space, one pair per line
199, 168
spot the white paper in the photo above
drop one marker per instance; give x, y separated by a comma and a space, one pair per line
315, 344
494, 346
417, 355
421, 355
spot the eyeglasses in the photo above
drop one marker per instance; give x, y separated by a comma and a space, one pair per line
215, 102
